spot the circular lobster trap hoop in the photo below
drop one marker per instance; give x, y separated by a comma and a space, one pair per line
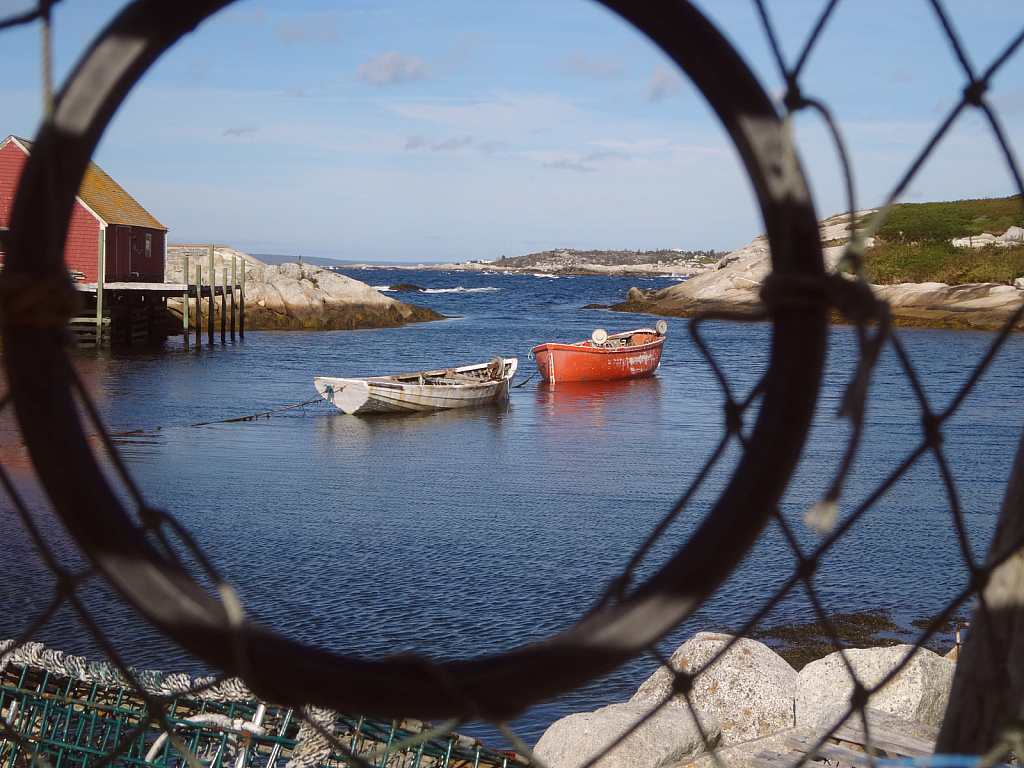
286, 671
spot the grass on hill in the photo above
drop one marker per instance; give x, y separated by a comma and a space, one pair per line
914, 222
941, 262
913, 246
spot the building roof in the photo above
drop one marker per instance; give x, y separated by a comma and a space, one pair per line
106, 197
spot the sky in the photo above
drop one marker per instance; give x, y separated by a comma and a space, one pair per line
451, 130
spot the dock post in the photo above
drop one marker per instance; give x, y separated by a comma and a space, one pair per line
223, 303
213, 283
234, 278
100, 280
241, 305
199, 306
185, 331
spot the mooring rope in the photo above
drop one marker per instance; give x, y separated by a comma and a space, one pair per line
255, 416
517, 386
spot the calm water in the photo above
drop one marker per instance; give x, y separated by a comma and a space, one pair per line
470, 532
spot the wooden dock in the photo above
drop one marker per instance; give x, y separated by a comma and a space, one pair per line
134, 314
848, 746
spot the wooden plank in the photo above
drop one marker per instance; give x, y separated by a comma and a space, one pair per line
184, 305
241, 305
886, 738
213, 285
224, 305
769, 758
199, 305
234, 285
827, 751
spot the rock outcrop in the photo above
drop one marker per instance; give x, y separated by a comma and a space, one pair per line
668, 737
304, 297
735, 283
750, 689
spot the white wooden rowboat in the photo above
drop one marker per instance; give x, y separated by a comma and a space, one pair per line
461, 387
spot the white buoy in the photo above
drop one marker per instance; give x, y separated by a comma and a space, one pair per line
661, 326
599, 336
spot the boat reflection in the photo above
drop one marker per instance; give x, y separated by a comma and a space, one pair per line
341, 428
597, 404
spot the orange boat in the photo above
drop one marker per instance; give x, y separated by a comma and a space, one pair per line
628, 355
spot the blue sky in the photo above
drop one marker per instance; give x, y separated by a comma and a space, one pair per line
422, 130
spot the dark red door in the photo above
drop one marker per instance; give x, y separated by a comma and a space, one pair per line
122, 255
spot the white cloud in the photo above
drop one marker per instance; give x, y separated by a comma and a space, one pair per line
414, 143
392, 68
663, 83
639, 147
586, 163
579, 64
1009, 102
240, 132
322, 31
534, 113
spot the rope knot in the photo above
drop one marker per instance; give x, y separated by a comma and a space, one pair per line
974, 92
932, 430
733, 417
682, 683
794, 99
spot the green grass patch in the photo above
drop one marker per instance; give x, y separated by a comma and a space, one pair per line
916, 222
935, 261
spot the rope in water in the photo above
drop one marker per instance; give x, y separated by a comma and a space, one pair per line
255, 416
517, 386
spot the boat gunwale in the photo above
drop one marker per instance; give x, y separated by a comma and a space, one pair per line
579, 345
394, 382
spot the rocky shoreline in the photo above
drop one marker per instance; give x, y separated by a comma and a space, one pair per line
734, 285
749, 700
494, 267
302, 297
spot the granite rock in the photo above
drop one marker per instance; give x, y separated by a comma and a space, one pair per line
668, 737
303, 297
750, 689
919, 693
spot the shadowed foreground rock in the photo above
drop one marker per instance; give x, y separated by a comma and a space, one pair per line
303, 297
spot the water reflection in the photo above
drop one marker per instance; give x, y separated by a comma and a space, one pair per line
340, 428
599, 404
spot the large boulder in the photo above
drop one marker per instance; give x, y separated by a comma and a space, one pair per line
300, 296
919, 693
750, 689
668, 737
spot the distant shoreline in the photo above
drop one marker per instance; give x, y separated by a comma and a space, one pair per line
623, 270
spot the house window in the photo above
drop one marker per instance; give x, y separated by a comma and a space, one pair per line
149, 246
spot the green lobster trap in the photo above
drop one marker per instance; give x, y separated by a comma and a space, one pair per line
64, 721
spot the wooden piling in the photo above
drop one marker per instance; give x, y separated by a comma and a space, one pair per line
223, 304
100, 280
185, 299
213, 282
199, 306
234, 261
241, 305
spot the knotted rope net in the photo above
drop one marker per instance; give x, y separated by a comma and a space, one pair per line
157, 567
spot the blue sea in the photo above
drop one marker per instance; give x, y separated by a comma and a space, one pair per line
470, 532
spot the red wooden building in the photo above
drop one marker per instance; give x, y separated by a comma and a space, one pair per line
106, 220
